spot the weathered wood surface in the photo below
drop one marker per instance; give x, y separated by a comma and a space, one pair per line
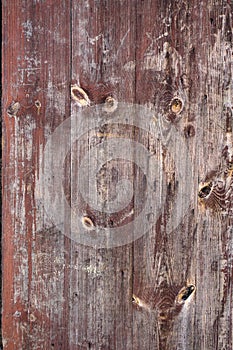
174, 58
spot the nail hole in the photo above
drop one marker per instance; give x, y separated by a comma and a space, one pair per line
185, 293
87, 222
37, 104
205, 190
79, 96
176, 105
32, 318
189, 131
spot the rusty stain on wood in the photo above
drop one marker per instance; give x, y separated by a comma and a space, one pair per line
171, 288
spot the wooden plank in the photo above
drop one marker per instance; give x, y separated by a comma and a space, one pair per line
182, 56
140, 91
101, 47
36, 53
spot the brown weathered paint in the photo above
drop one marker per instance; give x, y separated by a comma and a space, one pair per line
61, 295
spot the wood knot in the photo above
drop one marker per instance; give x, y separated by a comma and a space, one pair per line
217, 194
87, 222
185, 293
80, 96
110, 104
140, 303
135, 300
13, 109
205, 190
176, 105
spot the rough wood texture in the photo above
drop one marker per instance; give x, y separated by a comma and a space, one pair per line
172, 287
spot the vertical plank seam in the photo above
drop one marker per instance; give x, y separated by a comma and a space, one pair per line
70, 167
135, 101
